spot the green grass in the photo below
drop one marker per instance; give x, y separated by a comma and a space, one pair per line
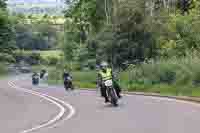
51, 53
49, 57
46, 53
38, 68
3, 70
39, 17
81, 79
176, 76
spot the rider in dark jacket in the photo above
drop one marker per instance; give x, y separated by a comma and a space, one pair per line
67, 80
35, 78
65, 75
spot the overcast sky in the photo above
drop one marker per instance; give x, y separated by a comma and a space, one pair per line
34, 1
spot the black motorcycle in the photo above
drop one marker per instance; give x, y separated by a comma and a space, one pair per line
35, 79
68, 83
111, 92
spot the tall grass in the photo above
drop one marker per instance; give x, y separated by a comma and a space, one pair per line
178, 76
175, 76
81, 79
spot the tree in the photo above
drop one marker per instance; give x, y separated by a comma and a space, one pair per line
186, 5
126, 30
3, 4
79, 23
6, 33
35, 35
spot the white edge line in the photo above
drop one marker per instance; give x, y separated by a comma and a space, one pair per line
47, 97
167, 99
159, 98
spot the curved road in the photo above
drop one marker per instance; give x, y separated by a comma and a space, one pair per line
21, 111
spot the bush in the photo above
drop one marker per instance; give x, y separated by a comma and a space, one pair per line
167, 74
34, 58
175, 72
52, 60
4, 57
38, 57
44, 61
18, 55
90, 63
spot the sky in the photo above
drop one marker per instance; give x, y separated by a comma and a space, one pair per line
34, 1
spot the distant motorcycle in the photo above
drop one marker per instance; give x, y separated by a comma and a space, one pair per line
42, 73
35, 79
68, 83
111, 92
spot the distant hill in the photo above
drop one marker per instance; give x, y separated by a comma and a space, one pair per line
51, 7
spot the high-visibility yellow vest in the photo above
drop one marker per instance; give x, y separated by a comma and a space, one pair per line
106, 75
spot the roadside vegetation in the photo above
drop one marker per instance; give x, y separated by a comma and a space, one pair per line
36, 57
173, 76
153, 46
3, 70
155, 49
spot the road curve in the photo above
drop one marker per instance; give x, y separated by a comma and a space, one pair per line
139, 114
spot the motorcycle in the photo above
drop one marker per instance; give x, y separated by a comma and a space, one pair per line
68, 84
111, 92
35, 79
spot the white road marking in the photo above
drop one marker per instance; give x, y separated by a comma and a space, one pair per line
72, 111
166, 99
156, 98
50, 99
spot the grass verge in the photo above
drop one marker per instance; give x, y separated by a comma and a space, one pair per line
176, 76
3, 70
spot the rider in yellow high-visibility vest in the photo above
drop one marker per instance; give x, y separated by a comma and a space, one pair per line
105, 74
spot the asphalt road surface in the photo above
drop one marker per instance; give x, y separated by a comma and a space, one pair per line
50, 109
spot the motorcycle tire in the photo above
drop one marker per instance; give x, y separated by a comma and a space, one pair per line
114, 99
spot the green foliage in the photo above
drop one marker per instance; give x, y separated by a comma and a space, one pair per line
39, 57
131, 37
82, 20
34, 58
52, 60
5, 57
7, 35
187, 5
175, 72
35, 35
3, 69
81, 79
3, 4
183, 35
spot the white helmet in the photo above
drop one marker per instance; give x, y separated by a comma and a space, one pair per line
104, 64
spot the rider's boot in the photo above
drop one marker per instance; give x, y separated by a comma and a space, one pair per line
118, 94
106, 100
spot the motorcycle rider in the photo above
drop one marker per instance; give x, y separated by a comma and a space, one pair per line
35, 78
104, 74
44, 74
67, 79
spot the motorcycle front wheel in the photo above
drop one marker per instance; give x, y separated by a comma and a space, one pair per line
114, 99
